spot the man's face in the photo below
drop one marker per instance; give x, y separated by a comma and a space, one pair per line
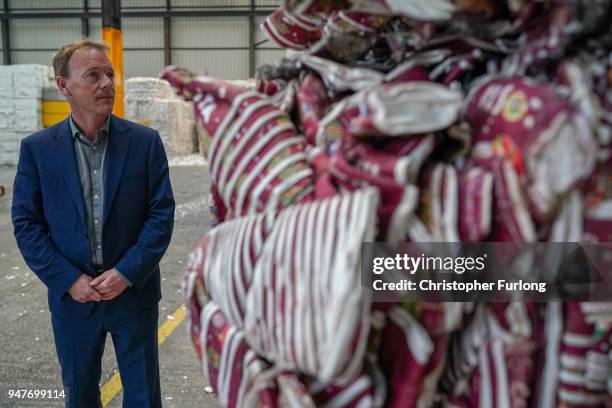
90, 85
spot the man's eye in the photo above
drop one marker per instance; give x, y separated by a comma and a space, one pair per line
92, 75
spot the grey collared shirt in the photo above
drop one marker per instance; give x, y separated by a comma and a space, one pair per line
90, 157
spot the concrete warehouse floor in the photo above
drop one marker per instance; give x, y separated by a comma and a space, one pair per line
27, 351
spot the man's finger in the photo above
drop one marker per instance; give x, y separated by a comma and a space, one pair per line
99, 284
94, 295
97, 280
98, 287
102, 289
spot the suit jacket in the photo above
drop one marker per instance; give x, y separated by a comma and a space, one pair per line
138, 213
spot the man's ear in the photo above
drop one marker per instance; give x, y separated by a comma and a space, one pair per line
60, 81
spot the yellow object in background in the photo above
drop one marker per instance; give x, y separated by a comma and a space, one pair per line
111, 33
54, 112
112, 36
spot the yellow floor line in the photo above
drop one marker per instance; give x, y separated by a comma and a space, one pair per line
113, 386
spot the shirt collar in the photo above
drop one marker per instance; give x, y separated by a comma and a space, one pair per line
74, 129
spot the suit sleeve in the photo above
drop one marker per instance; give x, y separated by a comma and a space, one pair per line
140, 260
32, 232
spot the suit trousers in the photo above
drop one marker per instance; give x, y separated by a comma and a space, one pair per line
80, 345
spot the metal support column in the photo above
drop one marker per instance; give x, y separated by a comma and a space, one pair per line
252, 40
85, 20
6, 35
167, 37
111, 33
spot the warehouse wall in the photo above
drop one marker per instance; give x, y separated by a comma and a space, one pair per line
42, 4
143, 34
225, 40
216, 45
1, 50
32, 41
134, 3
212, 3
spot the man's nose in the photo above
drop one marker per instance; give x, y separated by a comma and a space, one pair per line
107, 82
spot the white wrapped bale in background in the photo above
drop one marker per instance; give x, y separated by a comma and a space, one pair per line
21, 87
6, 82
7, 114
141, 88
10, 140
8, 147
29, 80
28, 114
172, 118
152, 102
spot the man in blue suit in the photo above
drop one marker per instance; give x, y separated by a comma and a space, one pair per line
93, 214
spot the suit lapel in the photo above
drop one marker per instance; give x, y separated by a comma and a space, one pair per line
116, 152
66, 157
